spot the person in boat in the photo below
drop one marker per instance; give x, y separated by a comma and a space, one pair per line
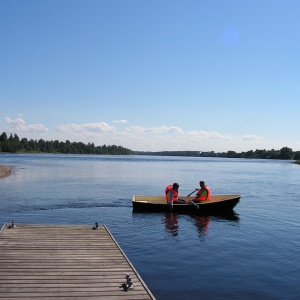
171, 194
203, 194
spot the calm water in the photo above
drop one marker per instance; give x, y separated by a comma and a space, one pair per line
253, 255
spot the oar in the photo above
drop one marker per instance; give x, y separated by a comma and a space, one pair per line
192, 193
197, 205
171, 204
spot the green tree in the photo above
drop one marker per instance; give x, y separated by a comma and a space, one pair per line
3, 137
296, 155
286, 153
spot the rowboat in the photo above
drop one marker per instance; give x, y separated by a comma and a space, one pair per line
216, 204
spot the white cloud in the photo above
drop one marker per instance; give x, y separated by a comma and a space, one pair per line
120, 121
135, 129
204, 135
168, 129
19, 125
36, 127
173, 138
71, 128
15, 122
99, 127
98, 133
155, 130
84, 128
252, 138
159, 138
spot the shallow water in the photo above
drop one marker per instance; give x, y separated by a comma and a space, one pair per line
252, 254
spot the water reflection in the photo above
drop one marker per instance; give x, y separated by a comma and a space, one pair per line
171, 223
228, 216
202, 223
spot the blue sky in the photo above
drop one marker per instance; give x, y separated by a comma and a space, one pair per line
214, 75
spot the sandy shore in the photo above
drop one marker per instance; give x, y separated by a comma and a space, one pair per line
5, 171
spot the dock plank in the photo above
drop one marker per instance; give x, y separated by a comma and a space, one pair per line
65, 262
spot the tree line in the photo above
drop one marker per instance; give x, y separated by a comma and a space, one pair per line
283, 153
14, 144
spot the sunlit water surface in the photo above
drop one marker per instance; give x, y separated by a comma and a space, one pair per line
253, 254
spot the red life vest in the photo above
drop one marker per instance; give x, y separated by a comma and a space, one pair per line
169, 188
203, 194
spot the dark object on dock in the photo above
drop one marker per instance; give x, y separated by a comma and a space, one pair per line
13, 225
96, 225
127, 284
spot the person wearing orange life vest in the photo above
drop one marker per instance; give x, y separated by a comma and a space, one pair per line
171, 194
203, 194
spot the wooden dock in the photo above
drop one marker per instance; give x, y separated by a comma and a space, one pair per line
65, 262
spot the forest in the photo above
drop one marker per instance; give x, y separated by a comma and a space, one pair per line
14, 144
283, 153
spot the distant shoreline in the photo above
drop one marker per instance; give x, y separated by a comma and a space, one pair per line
5, 171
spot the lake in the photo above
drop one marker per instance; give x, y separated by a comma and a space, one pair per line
251, 255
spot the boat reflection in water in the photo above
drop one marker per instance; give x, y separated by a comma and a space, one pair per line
202, 223
170, 220
171, 223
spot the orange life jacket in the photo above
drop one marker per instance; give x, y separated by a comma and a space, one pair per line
169, 188
203, 194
